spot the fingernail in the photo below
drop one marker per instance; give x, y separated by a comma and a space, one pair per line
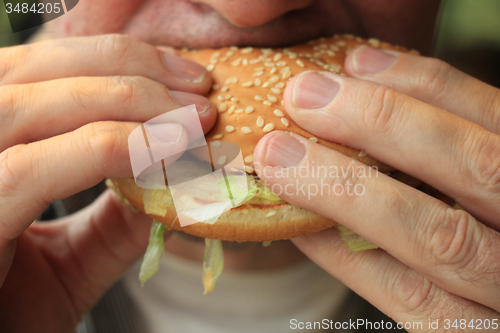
185, 69
185, 99
368, 60
284, 150
314, 91
169, 133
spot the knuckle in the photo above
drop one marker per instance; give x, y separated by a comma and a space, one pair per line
381, 112
15, 166
347, 183
436, 78
453, 242
413, 293
115, 48
102, 140
125, 89
484, 163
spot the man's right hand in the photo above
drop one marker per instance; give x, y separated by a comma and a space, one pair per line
66, 109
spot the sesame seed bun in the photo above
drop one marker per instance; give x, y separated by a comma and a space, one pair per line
248, 91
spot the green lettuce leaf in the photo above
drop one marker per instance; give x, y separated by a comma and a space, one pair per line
213, 263
154, 252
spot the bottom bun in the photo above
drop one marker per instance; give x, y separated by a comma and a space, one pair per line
255, 221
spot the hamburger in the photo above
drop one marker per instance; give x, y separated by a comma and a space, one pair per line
248, 89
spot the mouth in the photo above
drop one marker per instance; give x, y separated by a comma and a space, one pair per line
195, 25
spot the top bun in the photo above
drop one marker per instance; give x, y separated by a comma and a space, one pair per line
248, 91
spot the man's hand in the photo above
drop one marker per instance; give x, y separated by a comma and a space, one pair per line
66, 108
430, 121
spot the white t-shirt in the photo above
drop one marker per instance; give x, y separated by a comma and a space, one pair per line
265, 301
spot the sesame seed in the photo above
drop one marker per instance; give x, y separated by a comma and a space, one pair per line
234, 99
269, 64
236, 62
223, 59
253, 61
316, 55
268, 128
281, 63
238, 111
259, 73
268, 103
266, 84
259, 69
248, 169
313, 139
282, 103
222, 107
292, 55
215, 87
247, 50
229, 128
286, 74
257, 82
285, 122
222, 159
267, 50
349, 36
218, 136
279, 113
229, 53
249, 109
277, 56
232, 79
215, 55
260, 121
244, 62
220, 98
272, 98
273, 70
224, 89
359, 39
279, 85
228, 96
259, 98
276, 90
323, 46
341, 43
249, 159
216, 143
231, 109
214, 61
274, 78
247, 84
335, 68
334, 47
246, 130
210, 67
374, 42
330, 53
316, 48
271, 213
300, 63
362, 154
234, 48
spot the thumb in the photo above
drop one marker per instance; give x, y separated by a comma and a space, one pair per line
102, 241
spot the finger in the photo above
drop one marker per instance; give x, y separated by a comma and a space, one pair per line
397, 290
104, 55
430, 80
52, 169
87, 251
454, 155
36, 111
447, 246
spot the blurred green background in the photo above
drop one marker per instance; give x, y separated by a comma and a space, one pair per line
467, 36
